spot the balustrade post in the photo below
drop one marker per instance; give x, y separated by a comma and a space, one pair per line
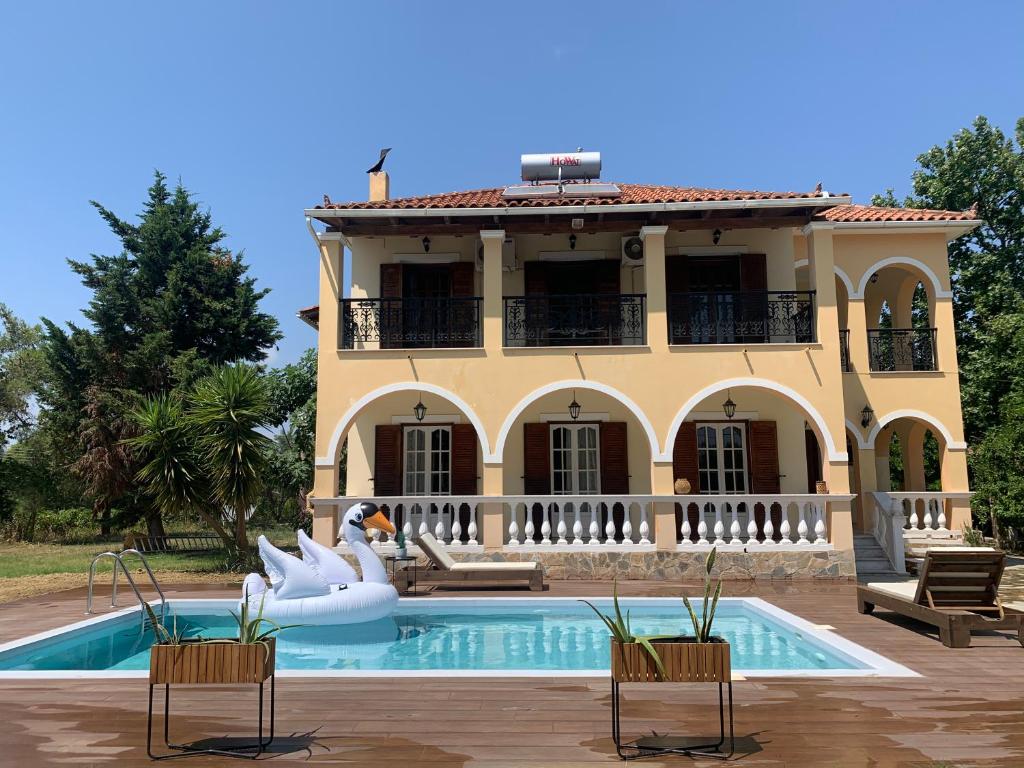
801, 527
734, 527
577, 524
627, 523
528, 528
561, 524
513, 526
645, 530
440, 529
819, 527
472, 531
609, 527
769, 527
684, 529
719, 526
702, 530
784, 528
456, 524
595, 529
545, 526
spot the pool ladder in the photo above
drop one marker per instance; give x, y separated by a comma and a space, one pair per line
118, 558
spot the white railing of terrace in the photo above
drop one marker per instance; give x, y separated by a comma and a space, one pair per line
573, 522
888, 529
753, 521
925, 513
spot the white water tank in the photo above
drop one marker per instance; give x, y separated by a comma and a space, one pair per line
565, 166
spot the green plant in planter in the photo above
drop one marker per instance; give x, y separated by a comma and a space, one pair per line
399, 540
163, 635
249, 626
622, 632
702, 626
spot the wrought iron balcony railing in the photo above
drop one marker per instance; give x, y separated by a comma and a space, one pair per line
844, 349
741, 317
588, 319
406, 323
902, 349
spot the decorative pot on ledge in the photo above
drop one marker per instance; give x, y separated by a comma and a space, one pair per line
821, 487
682, 486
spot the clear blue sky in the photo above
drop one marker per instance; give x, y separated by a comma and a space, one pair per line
262, 108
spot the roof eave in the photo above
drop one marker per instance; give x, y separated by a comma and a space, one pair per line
951, 228
530, 210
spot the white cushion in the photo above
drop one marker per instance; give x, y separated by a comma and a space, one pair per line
435, 551
491, 566
907, 589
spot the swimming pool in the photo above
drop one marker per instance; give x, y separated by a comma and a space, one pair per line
448, 637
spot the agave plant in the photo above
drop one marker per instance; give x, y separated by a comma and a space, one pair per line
163, 635
622, 631
702, 626
249, 626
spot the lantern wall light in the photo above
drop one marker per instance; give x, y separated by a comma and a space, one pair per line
574, 407
729, 406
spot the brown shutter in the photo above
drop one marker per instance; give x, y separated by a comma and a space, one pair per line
753, 272
764, 457
677, 274
462, 273
387, 461
390, 321
391, 281
813, 460
684, 456
464, 460
677, 287
536, 277
536, 459
614, 459
608, 276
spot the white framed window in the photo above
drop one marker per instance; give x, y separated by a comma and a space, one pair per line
575, 459
428, 461
722, 458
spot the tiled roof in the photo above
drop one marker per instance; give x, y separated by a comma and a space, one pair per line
631, 193
876, 213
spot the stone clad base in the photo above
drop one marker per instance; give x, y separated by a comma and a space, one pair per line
676, 566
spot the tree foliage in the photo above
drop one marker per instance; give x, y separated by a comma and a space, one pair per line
21, 371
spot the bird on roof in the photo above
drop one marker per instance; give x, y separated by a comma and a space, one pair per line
817, 189
327, 200
380, 163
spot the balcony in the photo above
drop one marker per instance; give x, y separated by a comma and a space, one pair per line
902, 349
741, 317
587, 319
410, 323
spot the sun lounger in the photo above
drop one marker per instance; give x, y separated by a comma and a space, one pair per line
443, 569
957, 591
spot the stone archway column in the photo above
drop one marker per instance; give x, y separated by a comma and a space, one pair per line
954, 479
662, 484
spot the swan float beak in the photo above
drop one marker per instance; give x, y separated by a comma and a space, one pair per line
379, 521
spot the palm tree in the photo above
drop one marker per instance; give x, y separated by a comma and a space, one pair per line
226, 412
171, 470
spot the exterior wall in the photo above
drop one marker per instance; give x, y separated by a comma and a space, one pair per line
650, 386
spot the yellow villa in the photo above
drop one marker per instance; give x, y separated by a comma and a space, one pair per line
611, 378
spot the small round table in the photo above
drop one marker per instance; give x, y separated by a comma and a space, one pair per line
392, 566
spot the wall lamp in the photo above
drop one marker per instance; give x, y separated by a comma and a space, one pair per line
419, 410
865, 416
729, 406
426, 244
574, 407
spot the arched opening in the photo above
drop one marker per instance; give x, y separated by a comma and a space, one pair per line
900, 304
584, 452
771, 448
910, 452
408, 449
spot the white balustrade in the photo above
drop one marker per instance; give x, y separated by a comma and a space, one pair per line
745, 521
924, 512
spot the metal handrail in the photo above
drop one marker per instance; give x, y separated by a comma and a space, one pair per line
117, 557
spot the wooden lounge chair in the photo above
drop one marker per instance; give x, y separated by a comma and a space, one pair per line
957, 591
443, 569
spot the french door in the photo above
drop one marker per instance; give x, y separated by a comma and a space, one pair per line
428, 461
575, 459
722, 458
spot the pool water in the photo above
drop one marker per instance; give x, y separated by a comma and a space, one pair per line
495, 635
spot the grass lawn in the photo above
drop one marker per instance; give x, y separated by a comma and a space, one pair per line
32, 569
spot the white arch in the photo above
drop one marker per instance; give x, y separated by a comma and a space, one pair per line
594, 386
774, 386
925, 269
863, 444
951, 444
850, 292
404, 386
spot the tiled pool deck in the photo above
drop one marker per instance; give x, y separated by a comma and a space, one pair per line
965, 709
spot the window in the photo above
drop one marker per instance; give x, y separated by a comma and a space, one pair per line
722, 458
428, 461
574, 459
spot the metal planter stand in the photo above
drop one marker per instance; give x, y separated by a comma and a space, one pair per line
685, 662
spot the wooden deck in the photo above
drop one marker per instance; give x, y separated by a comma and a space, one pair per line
966, 710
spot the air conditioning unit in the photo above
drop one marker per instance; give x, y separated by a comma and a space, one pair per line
509, 263
632, 251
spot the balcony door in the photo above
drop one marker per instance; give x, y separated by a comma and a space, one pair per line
722, 458
717, 299
428, 461
572, 303
575, 459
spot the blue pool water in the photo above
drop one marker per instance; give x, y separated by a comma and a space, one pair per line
445, 635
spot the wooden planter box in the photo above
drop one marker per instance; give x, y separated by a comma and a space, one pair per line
197, 663
685, 661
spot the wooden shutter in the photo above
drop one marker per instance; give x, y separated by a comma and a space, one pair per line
535, 278
677, 274
684, 456
464, 459
614, 458
753, 272
813, 460
387, 461
462, 279
391, 281
390, 321
764, 457
677, 288
607, 276
536, 459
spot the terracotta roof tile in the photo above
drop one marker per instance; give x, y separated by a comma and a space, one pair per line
631, 193
875, 213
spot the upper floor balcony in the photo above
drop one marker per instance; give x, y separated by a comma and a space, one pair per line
589, 319
411, 322
741, 317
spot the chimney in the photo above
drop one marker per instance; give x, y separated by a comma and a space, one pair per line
380, 186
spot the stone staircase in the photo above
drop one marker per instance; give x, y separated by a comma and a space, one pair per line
872, 564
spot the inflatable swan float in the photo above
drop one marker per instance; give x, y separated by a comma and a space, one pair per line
322, 588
